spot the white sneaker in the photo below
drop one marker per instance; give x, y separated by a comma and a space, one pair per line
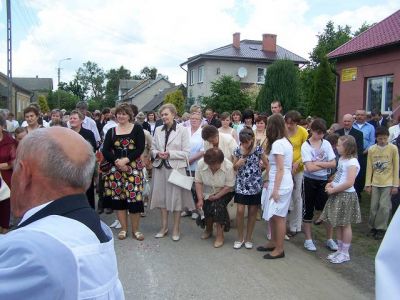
340, 258
287, 238
184, 213
309, 245
331, 245
118, 226
194, 215
332, 255
114, 224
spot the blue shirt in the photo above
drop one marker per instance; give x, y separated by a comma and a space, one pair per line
368, 131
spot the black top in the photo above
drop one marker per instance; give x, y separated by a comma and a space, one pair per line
146, 126
75, 207
111, 154
88, 135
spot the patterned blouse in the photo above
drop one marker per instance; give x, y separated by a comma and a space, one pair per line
248, 179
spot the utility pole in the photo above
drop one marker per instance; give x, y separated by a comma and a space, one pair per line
59, 78
9, 58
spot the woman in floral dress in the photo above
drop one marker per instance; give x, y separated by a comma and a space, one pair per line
123, 183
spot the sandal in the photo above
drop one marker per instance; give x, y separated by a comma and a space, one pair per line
138, 236
122, 235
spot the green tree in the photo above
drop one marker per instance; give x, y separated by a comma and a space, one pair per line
44, 106
252, 92
67, 100
226, 95
147, 72
307, 78
176, 98
73, 87
329, 40
113, 77
365, 26
323, 101
92, 78
281, 83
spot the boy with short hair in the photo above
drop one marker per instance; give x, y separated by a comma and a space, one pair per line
382, 181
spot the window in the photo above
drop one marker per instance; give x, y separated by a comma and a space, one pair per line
218, 71
191, 77
261, 72
201, 74
380, 93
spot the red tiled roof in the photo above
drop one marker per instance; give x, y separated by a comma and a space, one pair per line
384, 33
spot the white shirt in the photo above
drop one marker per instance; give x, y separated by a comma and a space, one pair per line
342, 170
387, 263
58, 258
285, 148
196, 145
110, 124
323, 153
394, 132
45, 124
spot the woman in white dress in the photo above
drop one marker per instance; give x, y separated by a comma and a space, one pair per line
276, 204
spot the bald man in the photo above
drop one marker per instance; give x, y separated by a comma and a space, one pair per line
61, 249
348, 129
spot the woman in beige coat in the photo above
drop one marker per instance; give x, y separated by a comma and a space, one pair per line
170, 150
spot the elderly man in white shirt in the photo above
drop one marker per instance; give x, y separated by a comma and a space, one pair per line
61, 249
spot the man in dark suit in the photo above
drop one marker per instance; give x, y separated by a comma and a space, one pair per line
46, 256
348, 129
377, 119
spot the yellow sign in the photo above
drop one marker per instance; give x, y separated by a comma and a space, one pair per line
349, 74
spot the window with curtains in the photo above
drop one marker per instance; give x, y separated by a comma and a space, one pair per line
201, 74
380, 93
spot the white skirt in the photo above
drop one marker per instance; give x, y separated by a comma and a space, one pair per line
272, 208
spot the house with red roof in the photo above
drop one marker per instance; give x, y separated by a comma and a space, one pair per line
244, 60
368, 70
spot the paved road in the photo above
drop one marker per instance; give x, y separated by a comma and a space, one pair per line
193, 269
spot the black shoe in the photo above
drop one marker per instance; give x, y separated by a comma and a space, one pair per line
269, 256
265, 249
372, 232
379, 235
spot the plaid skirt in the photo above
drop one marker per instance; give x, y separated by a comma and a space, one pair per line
217, 210
342, 209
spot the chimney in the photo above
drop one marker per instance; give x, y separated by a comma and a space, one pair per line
269, 42
236, 40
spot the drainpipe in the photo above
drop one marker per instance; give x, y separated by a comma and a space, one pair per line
337, 94
187, 87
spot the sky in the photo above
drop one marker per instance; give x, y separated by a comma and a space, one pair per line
162, 34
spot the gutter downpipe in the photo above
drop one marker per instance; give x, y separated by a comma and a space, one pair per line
337, 94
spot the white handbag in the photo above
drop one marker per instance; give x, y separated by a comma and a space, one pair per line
181, 180
4, 190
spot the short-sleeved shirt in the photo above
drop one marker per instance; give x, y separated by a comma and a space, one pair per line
285, 148
226, 144
213, 183
297, 140
323, 153
248, 179
342, 171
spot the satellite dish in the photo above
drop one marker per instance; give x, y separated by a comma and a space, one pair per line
242, 72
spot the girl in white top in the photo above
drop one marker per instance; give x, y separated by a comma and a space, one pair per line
280, 186
225, 128
342, 207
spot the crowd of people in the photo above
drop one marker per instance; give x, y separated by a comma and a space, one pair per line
278, 165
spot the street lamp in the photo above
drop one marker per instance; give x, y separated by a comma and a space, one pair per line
59, 76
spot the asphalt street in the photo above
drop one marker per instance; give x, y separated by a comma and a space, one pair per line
193, 269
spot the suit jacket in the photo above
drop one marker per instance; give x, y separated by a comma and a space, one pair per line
74, 207
377, 124
358, 136
178, 146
